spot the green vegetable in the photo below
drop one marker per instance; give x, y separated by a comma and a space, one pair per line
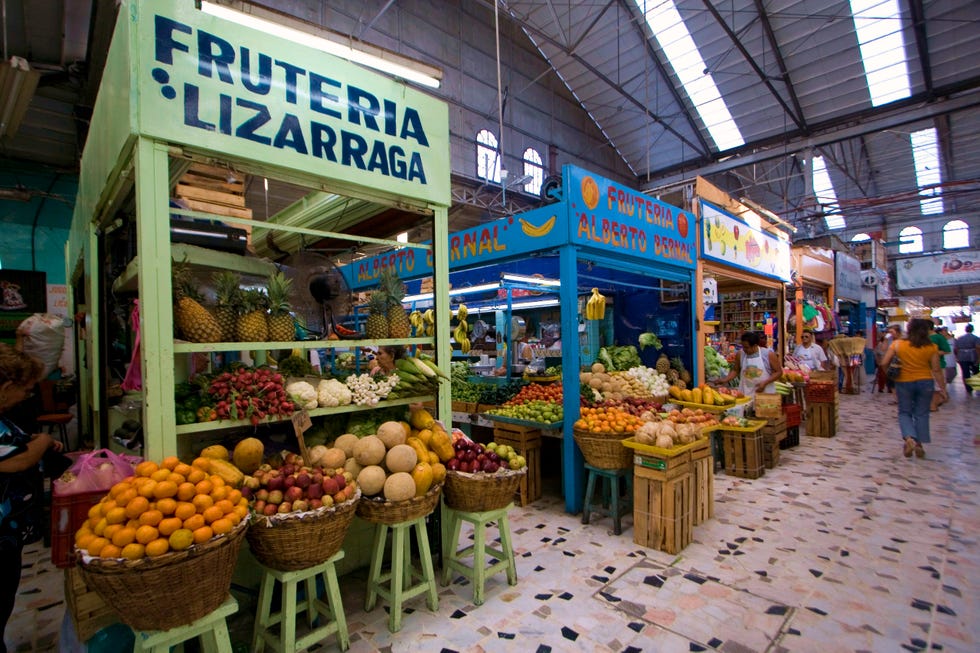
619, 358
186, 416
650, 340
295, 366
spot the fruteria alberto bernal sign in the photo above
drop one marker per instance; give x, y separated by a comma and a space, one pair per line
937, 270
217, 85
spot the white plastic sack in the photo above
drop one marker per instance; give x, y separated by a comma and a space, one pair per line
43, 335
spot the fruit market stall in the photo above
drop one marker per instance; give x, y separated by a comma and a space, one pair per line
601, 276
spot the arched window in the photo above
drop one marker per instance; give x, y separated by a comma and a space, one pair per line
860, 238
534, 168
910, 240
956, 233
487, 156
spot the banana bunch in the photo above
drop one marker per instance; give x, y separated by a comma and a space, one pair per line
416, 376
595, 308
974, 381
428, 323
462, 330
417, 322
783, 388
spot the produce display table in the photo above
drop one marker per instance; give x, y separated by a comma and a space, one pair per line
526, 441
212, 628
402, 573
480, 549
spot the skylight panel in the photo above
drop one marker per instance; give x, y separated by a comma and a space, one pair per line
671, 33
879, 33
925, 153
823, 190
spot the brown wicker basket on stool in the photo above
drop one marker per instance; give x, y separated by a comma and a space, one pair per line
380, 511
604, 450
481, 492
170, 590
303, 539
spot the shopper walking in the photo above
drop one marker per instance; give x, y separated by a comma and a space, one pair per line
756, 367
940, 341
21, 481
949, 357
920, 372
881, 377
811, 353
967, 350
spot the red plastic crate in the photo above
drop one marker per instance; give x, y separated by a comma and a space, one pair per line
794, 414
68, 513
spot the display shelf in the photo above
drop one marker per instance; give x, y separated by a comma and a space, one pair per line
182, 347
201, 257
200, 427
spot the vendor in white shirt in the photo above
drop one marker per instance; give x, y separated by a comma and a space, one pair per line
811, 353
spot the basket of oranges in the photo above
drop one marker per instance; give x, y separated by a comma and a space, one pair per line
599, 433
147, 546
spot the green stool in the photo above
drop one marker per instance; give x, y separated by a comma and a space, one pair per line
211, 628
478, 573
610, 495
402, 573
332, 610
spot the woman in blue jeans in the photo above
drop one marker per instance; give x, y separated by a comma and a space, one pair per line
920, 372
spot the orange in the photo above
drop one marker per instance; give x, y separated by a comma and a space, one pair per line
100, 526
147, 488
95, 546
157, 547
110, 551
124, 536
184, 510
203, 534
242, 502
169, 525
213, 514
224, 505
202, 502
126, 496
217, 481
137, 506
117, 488
107, 504
84, 530
116, 515
233, 517
111, 530
204, 487
83, 540
133, 523
186, 491
176, 478
195, 475
166, 506
160, 475
146, 534
241, 511
219, 493
194, 522
170, 462
133, 551
202, 463
234, 496
183, 469
151, 517
95, 512
165, 490
222, 526
146, 468
180, 539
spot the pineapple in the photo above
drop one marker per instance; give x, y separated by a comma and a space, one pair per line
251, 325
682, 372
226, 287
377, 321
194, 322
280, 322
399, 325
663, 364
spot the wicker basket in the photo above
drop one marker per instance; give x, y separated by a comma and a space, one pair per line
481, 492
604, 450
301, 540
381, 511
170, 590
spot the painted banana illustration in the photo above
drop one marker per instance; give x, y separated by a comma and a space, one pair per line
537, 231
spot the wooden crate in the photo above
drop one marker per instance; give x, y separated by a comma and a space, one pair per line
793, 413
526, 442
822, 420
743, 453
663, 467
775, 424
88, 611
770, 448
703, 471
768, 405
792, 438
662, 515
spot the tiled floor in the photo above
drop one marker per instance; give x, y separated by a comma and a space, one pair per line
846, 546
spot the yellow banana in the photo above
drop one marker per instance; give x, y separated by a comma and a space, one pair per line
429, 316
595, 308
537, 231
462, 312
415, 318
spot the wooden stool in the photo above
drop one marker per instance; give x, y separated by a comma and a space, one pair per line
478, 573
400, 577
211, 628
610, 495
332, 610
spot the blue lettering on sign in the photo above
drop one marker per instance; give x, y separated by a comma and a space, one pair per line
258, 74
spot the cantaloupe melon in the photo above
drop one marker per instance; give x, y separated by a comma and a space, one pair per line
392, 434
371, 480
333, 458
399, 487
401, 458
347, 442
369, 450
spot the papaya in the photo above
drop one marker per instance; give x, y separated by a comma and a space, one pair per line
420, 418
438, 472
708, 395
423, 477
228, 472
697, 396
442, 445
216, 452
675, 392
420, 449
686, 395
248, 454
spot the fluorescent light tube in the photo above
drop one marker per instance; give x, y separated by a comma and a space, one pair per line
537, 281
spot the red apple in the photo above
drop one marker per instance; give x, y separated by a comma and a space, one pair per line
262, 495
301, 506
303, 480
259, 506
314, 491
270, 509
285, 507
247, 492
349, 492
294, 493
341, 481
330, 486
315, 503
289, 482
340, 497
274, 483
275, 497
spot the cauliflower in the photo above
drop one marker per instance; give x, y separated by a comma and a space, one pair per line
331, 392
303, 394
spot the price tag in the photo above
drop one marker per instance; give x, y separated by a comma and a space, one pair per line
301, 422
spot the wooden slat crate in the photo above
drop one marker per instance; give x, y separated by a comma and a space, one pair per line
703, 471
822, 420
216, 190
662, 514
88, 611
527, 443
743, 453
770, 448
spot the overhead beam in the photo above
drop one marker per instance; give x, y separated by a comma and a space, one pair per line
783, 69
921, 42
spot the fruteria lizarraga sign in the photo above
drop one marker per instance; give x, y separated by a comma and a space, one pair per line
212, 83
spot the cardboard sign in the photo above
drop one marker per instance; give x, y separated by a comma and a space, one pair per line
301, 422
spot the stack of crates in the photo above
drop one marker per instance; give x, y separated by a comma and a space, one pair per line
703, 470
822, 409
743, 450
663, 501
772, 434
527, 442
794, 417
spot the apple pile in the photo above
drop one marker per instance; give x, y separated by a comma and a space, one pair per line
635, 405
470, 456
295, 487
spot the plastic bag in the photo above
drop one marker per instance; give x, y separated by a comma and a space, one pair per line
43, 335
95, 471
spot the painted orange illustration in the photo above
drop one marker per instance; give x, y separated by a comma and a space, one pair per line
590, 192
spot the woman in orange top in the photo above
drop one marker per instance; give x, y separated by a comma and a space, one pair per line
919, 360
